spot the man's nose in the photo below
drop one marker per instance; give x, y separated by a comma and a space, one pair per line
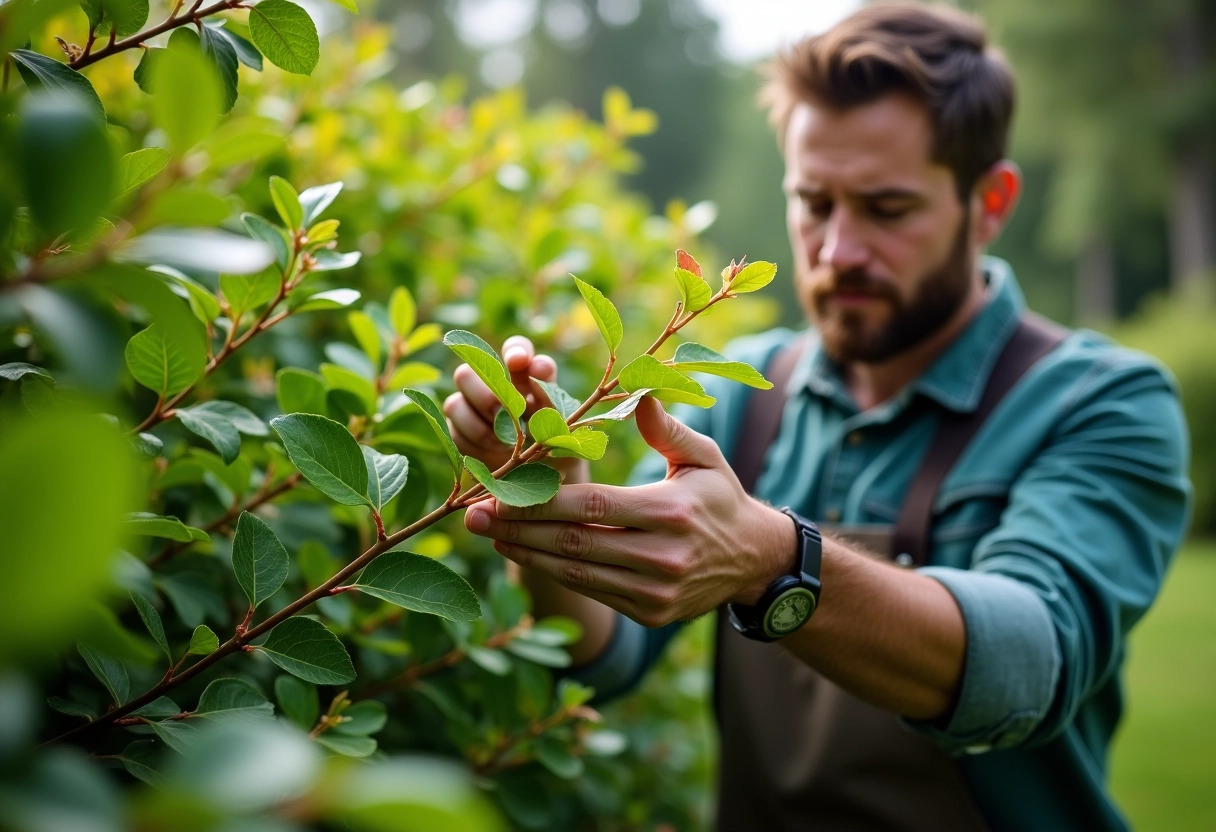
844, 247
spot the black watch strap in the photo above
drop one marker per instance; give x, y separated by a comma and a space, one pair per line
790, 600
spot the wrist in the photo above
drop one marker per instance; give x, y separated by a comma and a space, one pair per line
774, 552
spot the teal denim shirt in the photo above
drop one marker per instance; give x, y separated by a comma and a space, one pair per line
1052, 532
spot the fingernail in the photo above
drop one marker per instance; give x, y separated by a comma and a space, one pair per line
478, 520
513, 354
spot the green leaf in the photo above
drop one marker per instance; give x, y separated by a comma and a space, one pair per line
203, 641
17, 369
300, 391
245, 293
488, 367
539, 653
162, 707
297, 700
624, 409
571, 694
439, 424
258, 559
694, 292
349, 5
504, 427
215, 428
331, 299
151, 619
491, 661
422, 337
186, 93
164, 362
64, 162
246, 52
605, 743
326, 454
287, 203
332, 261
286, 35
316, 199
305, 648
272, 235
152, 525
555, 755
197, 249
109, 672
242, 418
141, 759
222, 54
202, 303
419, 583
348, 745
547, 423
65, 706
386, 475
584, 443
402, 311
753, 276
366, 717
554, 631
413, 373
42, 73
232, 699
176, 734
562, 401
123, 17
342, 378
140, 166
665, 383
695, 358
367, 335
527, 485
605, 315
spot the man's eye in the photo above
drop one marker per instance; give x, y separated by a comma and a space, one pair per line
888, 212
818, 208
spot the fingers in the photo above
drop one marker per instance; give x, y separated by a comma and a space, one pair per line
475, 391
605, 583
638, 508
471, 432
517, 354
679, 444
574, 541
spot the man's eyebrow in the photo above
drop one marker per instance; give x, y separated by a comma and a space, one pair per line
891, 192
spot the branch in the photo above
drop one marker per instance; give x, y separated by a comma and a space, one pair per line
262, 496
195, 15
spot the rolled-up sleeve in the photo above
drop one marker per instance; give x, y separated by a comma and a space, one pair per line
1077, 559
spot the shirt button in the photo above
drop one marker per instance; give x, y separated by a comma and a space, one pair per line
903, 559
855, 438
832, 515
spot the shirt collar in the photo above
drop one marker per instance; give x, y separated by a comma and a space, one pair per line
956, 380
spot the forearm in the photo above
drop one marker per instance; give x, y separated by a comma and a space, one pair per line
888, 635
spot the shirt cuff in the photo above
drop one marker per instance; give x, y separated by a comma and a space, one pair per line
1011, 668
616, 669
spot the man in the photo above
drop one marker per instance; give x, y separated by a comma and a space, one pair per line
980, 691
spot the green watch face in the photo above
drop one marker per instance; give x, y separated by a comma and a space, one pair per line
789, 612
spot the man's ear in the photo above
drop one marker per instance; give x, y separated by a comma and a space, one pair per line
994, 197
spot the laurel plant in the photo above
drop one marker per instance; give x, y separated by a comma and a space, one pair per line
224, 472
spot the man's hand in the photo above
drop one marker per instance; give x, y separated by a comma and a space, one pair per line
669, 551
471, 409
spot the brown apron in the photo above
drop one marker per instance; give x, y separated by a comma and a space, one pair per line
798, 752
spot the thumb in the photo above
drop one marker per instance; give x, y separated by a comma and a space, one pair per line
679, 444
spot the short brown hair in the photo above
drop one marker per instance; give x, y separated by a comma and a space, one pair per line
936, 54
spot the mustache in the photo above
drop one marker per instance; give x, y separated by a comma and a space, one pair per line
827, 281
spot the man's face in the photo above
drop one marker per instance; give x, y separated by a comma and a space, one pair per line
882, 245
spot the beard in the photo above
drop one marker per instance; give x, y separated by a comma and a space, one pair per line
846, 334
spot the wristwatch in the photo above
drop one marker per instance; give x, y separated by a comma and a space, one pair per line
790, 600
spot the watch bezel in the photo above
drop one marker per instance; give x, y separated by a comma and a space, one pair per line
755, 621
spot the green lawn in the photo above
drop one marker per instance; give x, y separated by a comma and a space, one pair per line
1163, 770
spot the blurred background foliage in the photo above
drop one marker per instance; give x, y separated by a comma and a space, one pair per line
484, 158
